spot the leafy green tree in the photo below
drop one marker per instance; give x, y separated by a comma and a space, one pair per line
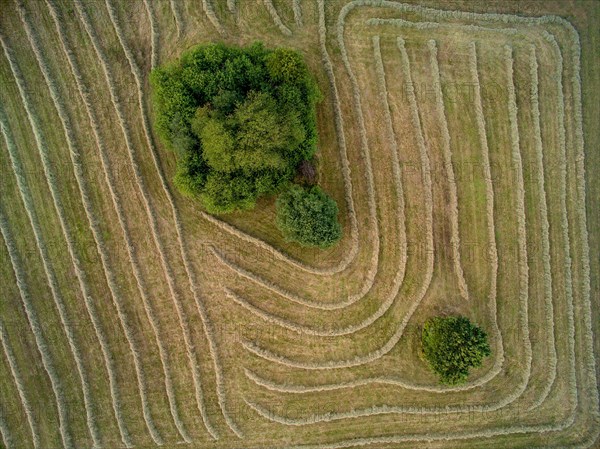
308, 216
452, 345
240, 120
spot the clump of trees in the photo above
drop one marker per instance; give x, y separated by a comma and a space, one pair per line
452, 345
308, 216
240, 120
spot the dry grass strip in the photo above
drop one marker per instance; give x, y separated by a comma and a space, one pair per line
543, 210
16, 375
426, 176
520, 204
297, 12
212, 17
127, 328
36, 329
179, 23
231, 6
154, 34
276, 19
171, 282
289, 295
591, 364
491, 226
581, 196
447, 152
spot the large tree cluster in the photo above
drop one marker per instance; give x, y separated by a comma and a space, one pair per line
241, 120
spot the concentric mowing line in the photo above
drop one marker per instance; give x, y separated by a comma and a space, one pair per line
546, 258
426, 176
17, 379
491, 374
447, 152
181, 315
523, 267
399, 277
591, 363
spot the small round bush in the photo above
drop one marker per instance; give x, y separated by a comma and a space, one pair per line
308, 216
452, 345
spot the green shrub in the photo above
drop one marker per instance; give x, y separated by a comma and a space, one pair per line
452, 345
308, 216
240, 120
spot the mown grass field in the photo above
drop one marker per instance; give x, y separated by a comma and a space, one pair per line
462, 149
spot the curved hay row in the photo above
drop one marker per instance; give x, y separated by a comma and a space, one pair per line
34, 325
212, 17
385, 409
154, 34
434, 25
275, 16
179, 24
520, 200
25, 196
14, 371
488, 432
231, 6
297, 12
489, 193
289, 295
568, 273
28, 202
581, 195
346, 174
447, 152
367, 286
274, 319
426, 175
5, 434
442, 436
180, 312
552, 360
84, 93
126, 327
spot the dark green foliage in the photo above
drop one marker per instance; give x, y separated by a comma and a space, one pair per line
452, 345
241, 120
308, 216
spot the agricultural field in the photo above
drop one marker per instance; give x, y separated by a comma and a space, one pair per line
460, 142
